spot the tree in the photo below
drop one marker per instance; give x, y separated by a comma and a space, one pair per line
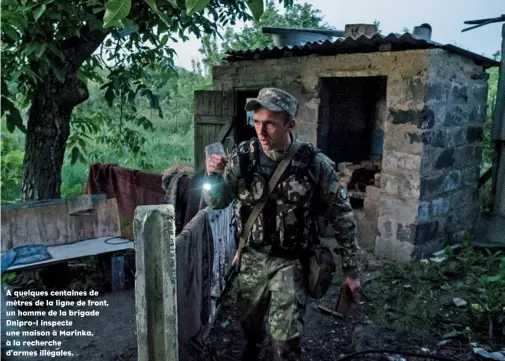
252, 37
51, 48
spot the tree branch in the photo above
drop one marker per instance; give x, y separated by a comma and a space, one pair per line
79, 49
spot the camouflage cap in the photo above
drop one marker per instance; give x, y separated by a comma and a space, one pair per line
274, 99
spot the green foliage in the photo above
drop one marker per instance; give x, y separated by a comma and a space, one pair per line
252, 37
485, 196
408, 295
47, 44
11, 165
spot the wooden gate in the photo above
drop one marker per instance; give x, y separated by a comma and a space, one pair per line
214, 119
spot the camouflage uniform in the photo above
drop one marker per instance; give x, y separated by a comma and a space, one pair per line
272, 276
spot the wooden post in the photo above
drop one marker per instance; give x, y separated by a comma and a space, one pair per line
117, 267
156, 283
498, 136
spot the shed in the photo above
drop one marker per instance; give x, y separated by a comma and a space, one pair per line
410, 107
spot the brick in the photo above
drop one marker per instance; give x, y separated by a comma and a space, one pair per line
452, 181
400, 186
385, 227
343, 165
454, 116
463, 155
425, 232
436, 91
415, 137
402, 210
426, 161
457, 137
470, 176
371, 207
424, 119
406, 233
464, 197
373, 193
415, 88
429, 209
367, 163
444, 159
479, 75
401, 141
477, 154
478, 114
377, 180
459, 93
474, 134
440, 206
401, 161
431, 185
480, 92
437, 138
424, 211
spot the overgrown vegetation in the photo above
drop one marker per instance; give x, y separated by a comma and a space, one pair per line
487, 154
107, 129
460, 297
52, 48
155, 131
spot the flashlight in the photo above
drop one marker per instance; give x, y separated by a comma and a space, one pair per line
207, 186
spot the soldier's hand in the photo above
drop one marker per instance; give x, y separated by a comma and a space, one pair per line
216, 163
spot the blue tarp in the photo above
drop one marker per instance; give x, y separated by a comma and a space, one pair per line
24, 255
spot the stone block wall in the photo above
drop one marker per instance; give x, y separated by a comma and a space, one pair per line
435, 108
456, 100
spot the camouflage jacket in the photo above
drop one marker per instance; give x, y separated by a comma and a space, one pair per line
308, 189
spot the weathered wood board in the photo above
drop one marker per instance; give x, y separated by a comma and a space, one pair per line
214, 115
49, 223
90, 247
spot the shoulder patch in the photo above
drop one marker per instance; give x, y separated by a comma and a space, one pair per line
339, 190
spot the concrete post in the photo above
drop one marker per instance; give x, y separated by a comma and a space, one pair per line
156, 283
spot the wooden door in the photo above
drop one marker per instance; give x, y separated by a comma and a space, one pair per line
214, 119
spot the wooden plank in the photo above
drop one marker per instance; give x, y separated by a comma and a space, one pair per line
46, 202
210, 119
214, 116
53, 225
79, 205
224, 131
89, 247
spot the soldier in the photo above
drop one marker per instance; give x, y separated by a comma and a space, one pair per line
272, 274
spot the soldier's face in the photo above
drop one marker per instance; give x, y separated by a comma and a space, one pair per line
272, 129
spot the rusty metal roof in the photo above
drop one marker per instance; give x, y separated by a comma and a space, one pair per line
362, 44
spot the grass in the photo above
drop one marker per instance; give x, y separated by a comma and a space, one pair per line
419, 297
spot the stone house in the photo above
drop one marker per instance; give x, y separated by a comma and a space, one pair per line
416, 106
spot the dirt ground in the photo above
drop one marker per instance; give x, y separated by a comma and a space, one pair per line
326, 337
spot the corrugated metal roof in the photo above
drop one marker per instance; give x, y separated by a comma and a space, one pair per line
362, 44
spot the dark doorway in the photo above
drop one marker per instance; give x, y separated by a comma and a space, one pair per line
351, 118
244, 129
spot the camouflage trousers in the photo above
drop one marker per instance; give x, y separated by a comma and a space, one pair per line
275, 286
